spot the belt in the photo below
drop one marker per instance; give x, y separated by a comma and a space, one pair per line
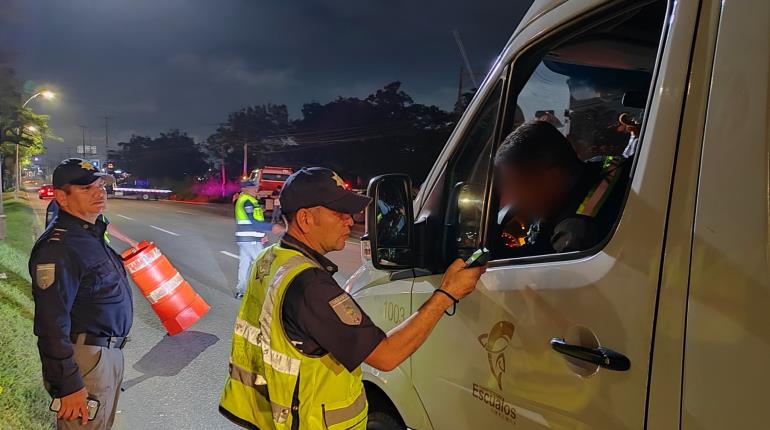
103, 341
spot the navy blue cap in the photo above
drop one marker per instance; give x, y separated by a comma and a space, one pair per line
77, 171
248, 183
317, 186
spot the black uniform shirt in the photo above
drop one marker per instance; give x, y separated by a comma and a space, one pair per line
320, 317
79, 286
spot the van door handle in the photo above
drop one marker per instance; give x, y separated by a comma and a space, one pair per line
601, 356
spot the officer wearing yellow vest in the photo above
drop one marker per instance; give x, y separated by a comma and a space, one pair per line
299, 339
248, 215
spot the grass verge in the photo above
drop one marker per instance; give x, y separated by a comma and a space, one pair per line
23, 401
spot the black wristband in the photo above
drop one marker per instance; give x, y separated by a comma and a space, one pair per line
452, 298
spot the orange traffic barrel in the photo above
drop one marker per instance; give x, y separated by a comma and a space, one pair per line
174, 301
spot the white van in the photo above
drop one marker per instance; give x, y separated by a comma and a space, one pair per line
663, 325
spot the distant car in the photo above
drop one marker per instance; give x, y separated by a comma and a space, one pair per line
45, 192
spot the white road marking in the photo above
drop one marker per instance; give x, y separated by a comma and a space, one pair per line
183, 212
230, 254
126, 217
164, 230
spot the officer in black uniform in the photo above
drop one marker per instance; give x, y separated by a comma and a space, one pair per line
310, 323
569, 205
83, 307
318, 207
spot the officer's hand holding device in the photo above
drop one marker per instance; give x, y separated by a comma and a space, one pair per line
76, 405
461, 277
479, 258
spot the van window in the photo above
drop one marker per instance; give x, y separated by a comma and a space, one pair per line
275, 177
587, 93
467, 177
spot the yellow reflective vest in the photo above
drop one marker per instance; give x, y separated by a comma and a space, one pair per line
246, 229
271, 384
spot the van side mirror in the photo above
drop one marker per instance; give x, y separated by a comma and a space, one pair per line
390, 222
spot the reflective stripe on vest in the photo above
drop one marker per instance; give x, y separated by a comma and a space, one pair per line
600, 192
336, 416
263, 360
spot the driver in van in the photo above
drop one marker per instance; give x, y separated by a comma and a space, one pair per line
569, 205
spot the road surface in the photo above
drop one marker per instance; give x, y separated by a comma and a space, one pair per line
175, 382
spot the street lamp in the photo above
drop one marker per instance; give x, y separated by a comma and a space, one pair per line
47, 94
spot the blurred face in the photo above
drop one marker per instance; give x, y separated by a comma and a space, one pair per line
84, 201
324, 229
535, 192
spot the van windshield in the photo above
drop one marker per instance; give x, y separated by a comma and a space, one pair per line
281, 177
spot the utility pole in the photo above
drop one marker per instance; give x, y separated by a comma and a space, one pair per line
18, 170
83, 127
106, 138
245, 157
2, 209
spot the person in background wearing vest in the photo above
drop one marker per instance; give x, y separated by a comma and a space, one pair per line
52, 212
83, 304
248, 215
571, 205
300, 339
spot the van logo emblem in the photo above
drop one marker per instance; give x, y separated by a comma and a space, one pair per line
495, 343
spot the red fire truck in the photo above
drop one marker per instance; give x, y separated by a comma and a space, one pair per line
269, 180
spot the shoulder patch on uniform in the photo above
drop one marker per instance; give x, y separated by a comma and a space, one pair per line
56, 235
44, 275
346, 309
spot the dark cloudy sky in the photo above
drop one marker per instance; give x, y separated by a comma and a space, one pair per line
153, 65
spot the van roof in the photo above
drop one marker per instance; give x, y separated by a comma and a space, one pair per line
538, 8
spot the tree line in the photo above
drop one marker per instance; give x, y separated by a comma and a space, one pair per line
360, 138
20, 127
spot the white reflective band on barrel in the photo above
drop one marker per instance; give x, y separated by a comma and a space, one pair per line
143, 260
165, 289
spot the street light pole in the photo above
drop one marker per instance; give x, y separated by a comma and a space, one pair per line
245, 157
18, 170
2, 209
84, 127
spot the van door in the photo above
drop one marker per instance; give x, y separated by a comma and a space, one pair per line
727, 342
491, 365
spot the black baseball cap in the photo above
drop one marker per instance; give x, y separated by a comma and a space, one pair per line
77, 171
317, 186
